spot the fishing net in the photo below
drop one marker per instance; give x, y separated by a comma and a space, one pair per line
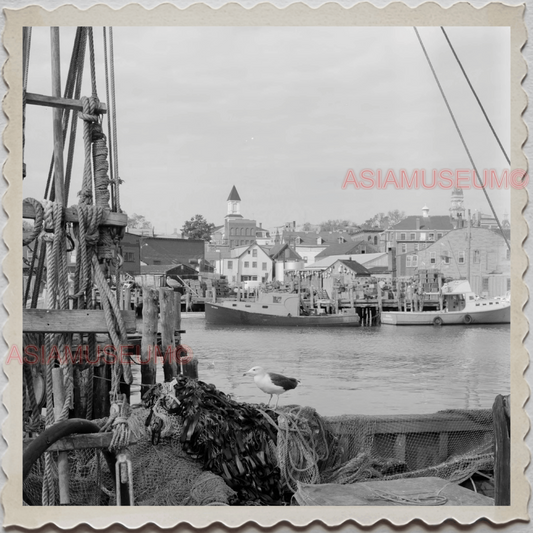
197, 446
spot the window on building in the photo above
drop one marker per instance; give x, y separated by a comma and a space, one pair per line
375, 239
415, 261
264, 266
402, 236
246, 264
242, 232
431, 237
232, 278
304, 258
439, 235
404, 248
242, 242
432, 257
231, 244
408, 261
461, 258
230, 265
369, 238
254, 278
485, 284
476, 256
254, 253
254, 264
129, 256
446, 259
422, 236
413, 236
232, 231
416, 245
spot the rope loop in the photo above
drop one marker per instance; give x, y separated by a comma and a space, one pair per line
39, 220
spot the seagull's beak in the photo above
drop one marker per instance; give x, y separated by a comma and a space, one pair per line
246, 373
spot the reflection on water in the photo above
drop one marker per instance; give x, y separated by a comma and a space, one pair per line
385, 370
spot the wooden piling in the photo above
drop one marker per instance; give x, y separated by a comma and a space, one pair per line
149, 339
168, 322
127, 298
177, 304
101, 388
63, 473
502, 452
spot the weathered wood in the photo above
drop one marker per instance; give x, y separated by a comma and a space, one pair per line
127, 298
81, 385
60, 102
177, 303
71, 321
79, 442
149, 339
430, 423
63, 472
502, 453
111, 219
168, 343
58, 116
188, 365
101, 389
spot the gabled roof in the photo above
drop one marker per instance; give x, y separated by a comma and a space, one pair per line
241, 250
437, 222
279, 250
168, 269
345, 248
355, 267
234, 195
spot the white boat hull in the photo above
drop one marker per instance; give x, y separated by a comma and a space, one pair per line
500, 314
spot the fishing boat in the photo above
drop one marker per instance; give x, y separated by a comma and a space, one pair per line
459, 306
277, 309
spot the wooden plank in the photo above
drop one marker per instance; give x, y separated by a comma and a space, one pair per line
60, 102
430, 423
111, 219
502, 453
71, 321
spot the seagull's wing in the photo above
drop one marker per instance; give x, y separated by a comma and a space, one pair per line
283, 381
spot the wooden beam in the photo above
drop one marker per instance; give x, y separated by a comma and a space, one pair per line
112, 219
71, 321
55, 101
58, 120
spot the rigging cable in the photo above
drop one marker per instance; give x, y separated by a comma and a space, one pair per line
476, 96
461, 136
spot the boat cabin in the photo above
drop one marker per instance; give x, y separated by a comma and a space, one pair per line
270, 303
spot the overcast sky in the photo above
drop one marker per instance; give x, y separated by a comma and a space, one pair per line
283, 114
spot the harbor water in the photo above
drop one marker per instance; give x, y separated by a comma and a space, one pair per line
368, 370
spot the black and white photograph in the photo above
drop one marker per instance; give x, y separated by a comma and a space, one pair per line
268, 265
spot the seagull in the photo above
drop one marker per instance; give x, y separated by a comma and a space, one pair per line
271, 383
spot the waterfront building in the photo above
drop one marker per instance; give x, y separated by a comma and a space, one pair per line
352, 247
248, 263
479, 255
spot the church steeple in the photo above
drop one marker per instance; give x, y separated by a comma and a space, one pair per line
457, 210
234, 204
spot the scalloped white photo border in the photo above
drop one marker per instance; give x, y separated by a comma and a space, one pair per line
396, 14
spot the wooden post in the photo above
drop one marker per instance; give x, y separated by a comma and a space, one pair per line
187, 301
177, 303
127, 298
63, 472
58, 114
502, 452
149, 339
189, 367
168, 322
380, 303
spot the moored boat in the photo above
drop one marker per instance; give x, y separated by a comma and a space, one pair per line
459, 306
276, 309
